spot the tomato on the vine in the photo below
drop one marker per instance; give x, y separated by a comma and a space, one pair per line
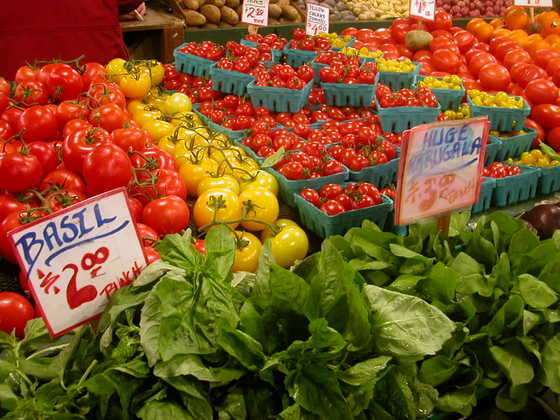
15, 312
77, 145
169, 214
105, 168
39, 123
63, 179
224, 203
247, 252
19, 172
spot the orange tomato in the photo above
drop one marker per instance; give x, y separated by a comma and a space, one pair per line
533, 47
550, 25
516, 19
552, 39
483, 32
497, 22
551, 14
519, 36
473, 23
501, 32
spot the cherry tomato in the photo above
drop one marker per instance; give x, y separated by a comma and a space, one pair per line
311, 195
169, 214
332, 207
15, 312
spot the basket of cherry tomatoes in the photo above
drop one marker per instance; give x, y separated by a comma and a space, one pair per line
505, 112
513, 143
349, 84
196, 59
304, 48
406, 108
397, 74
449, 90
335, 208
513, 183
548, 162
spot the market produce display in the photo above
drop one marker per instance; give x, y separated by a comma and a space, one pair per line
261, 177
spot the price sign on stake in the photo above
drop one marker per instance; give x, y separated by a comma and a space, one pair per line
255, 12
440, 169
317, 20
77, 257
423, 9
533, 3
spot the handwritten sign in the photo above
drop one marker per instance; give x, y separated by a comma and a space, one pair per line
77, 257
533, 3
440, 169
255, 12
423, 9
317, 20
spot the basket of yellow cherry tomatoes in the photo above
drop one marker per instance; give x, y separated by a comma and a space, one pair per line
505, 112
549, 164
448, 89
513, 143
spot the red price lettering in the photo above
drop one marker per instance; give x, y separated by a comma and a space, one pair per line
250, 12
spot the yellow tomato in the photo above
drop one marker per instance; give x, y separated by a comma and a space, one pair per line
189, 119
142, 116
281, 223
135, 86
247, 252
115, 68
178, 102
217, 206
193, 173
290, 245
262, 179
170, 143
221, 182
135, 106
155, 71
158, 128
260, 204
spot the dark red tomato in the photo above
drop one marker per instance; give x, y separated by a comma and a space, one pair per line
147, 235
9, 205
166, 215
46, 153
25, 73
331, 190
130, 138
135, 207
516, 55
105, 168
109, 116
494, 77
541, 91
15, 312
480, 60
75, 125
77, 145
200, 246
311, 195
553, 138
151, 254
92, 71
39, 123
19, 172
31, 92
332, 207
547, 115
63, 179
540, 132
362, 201
464, 40
443, 20
345, 200
60, 199
371, 190
445, 60
106, 93
70, 110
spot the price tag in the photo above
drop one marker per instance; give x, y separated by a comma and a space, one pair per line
423, 9
440, 169
533, 3
77, 257
255, 12
317, 20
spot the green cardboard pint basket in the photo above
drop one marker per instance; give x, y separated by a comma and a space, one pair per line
191, 64
447, 98
502, 119
513, 146
515, 189
484, 202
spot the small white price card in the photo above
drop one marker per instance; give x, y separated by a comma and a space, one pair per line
77, 257
440, 169
423, 9
533, 3
255, 12
317, 19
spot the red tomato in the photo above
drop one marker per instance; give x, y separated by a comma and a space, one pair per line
25, 73
441, 43
464, 40
46, 153
443, 20
541, 91
445, 60
422, 55
441, 32
553, 66
93, 71
105, 168
151, 254
5, 130
15, 311
167, 182
65, 82
540, 132
106, 93
169, 214
108, 116
19, 172
542, 57
350, 31
494, 77
147, 235
553, 138
70, 110
528, 73
63, 178
39, 123
77, 145
502, 49
60, 199
477, 62
130, 138
426, 69
11, 222
75, 125
9, 205
516, 55
31, 92
547, 115
200, 246
135, 207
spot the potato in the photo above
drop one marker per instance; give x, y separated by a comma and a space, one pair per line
274, 11
273, 21
194, 18
210, 26
225, 25
219, 3
239, 10
233, 3
283, 2
290, 12
229, 15
191, 4
211, 12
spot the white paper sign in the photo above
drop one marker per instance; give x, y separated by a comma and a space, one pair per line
423, 9
533, 3
77, 257
317, 19
255, 12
